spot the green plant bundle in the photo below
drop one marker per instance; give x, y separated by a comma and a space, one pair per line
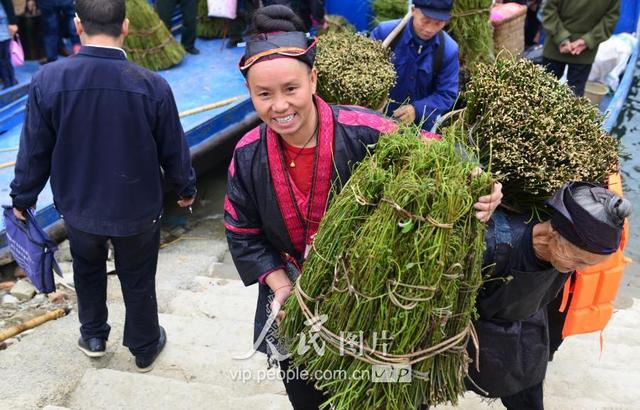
384, 10
210, 27
336, 23
149, 42
353, 70
397, 257
533, 131
471, 27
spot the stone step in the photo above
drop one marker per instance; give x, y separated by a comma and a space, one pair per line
191, 363
111, 389
215, 305
45, 365
220, 334
606, 385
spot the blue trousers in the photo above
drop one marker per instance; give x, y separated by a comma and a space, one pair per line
136, 258
7, 73
52, 12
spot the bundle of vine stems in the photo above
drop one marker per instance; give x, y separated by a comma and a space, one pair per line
384, 10
149, 42
471, 27
210, 27
533, 131
397, 257
353, 70
336, 23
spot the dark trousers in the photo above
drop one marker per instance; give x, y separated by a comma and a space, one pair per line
136, 258
528, 399
165, 10
302, 394
7, 73
53, 11
577, 75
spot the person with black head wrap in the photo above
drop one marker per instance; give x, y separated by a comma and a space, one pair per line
282, 173
531, 263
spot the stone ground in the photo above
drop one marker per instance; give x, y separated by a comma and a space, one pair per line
208, 313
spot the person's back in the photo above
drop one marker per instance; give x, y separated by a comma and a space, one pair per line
108, 133
106, 114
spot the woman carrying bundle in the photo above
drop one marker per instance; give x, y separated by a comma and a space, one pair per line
282, 172
532, 263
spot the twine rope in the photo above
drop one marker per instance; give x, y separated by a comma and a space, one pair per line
375, 357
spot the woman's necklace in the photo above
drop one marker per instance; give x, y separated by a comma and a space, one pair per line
292, 164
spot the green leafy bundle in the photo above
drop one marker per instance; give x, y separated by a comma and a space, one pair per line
336, 23
384, 10
533, 131
149, 42
210, 27
397, 257
471, 27
353, 70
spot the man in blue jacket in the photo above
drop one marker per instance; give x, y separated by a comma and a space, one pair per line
426, 62
108, 134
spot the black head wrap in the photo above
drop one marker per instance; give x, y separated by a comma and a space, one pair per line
598, 234
280, 33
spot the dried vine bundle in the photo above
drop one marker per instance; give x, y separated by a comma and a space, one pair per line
535, 134
210, 27
149, 43
397, 260
353, 70
384, 10
471, 27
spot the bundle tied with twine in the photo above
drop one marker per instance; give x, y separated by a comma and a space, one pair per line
210, 27
534, 133
471, 27
353, 70
397, 259
149, 43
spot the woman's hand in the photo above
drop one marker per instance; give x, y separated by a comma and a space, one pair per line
488, 203
13, 29
281, 286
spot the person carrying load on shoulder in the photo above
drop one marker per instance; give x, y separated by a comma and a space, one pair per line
282, 174
426, 62
531, 263
574, 30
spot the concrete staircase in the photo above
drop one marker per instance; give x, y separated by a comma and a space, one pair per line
582, 377
208, 319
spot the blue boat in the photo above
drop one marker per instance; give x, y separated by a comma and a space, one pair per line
213, 76
209, 77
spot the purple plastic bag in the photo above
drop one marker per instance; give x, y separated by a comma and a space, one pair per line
16, 51
32, 250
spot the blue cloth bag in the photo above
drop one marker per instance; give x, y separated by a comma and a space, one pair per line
32, 249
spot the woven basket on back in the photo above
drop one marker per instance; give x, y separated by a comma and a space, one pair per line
508, 33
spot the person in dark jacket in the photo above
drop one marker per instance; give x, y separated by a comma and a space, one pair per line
311, 12
573, 31
8, 29
53, 13
189, 9
282, 173
531, 263
108, 134
426, 62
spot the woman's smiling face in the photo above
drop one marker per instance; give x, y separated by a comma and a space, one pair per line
282, 92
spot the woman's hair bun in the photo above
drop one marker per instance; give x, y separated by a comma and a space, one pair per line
276, 18
618, 208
